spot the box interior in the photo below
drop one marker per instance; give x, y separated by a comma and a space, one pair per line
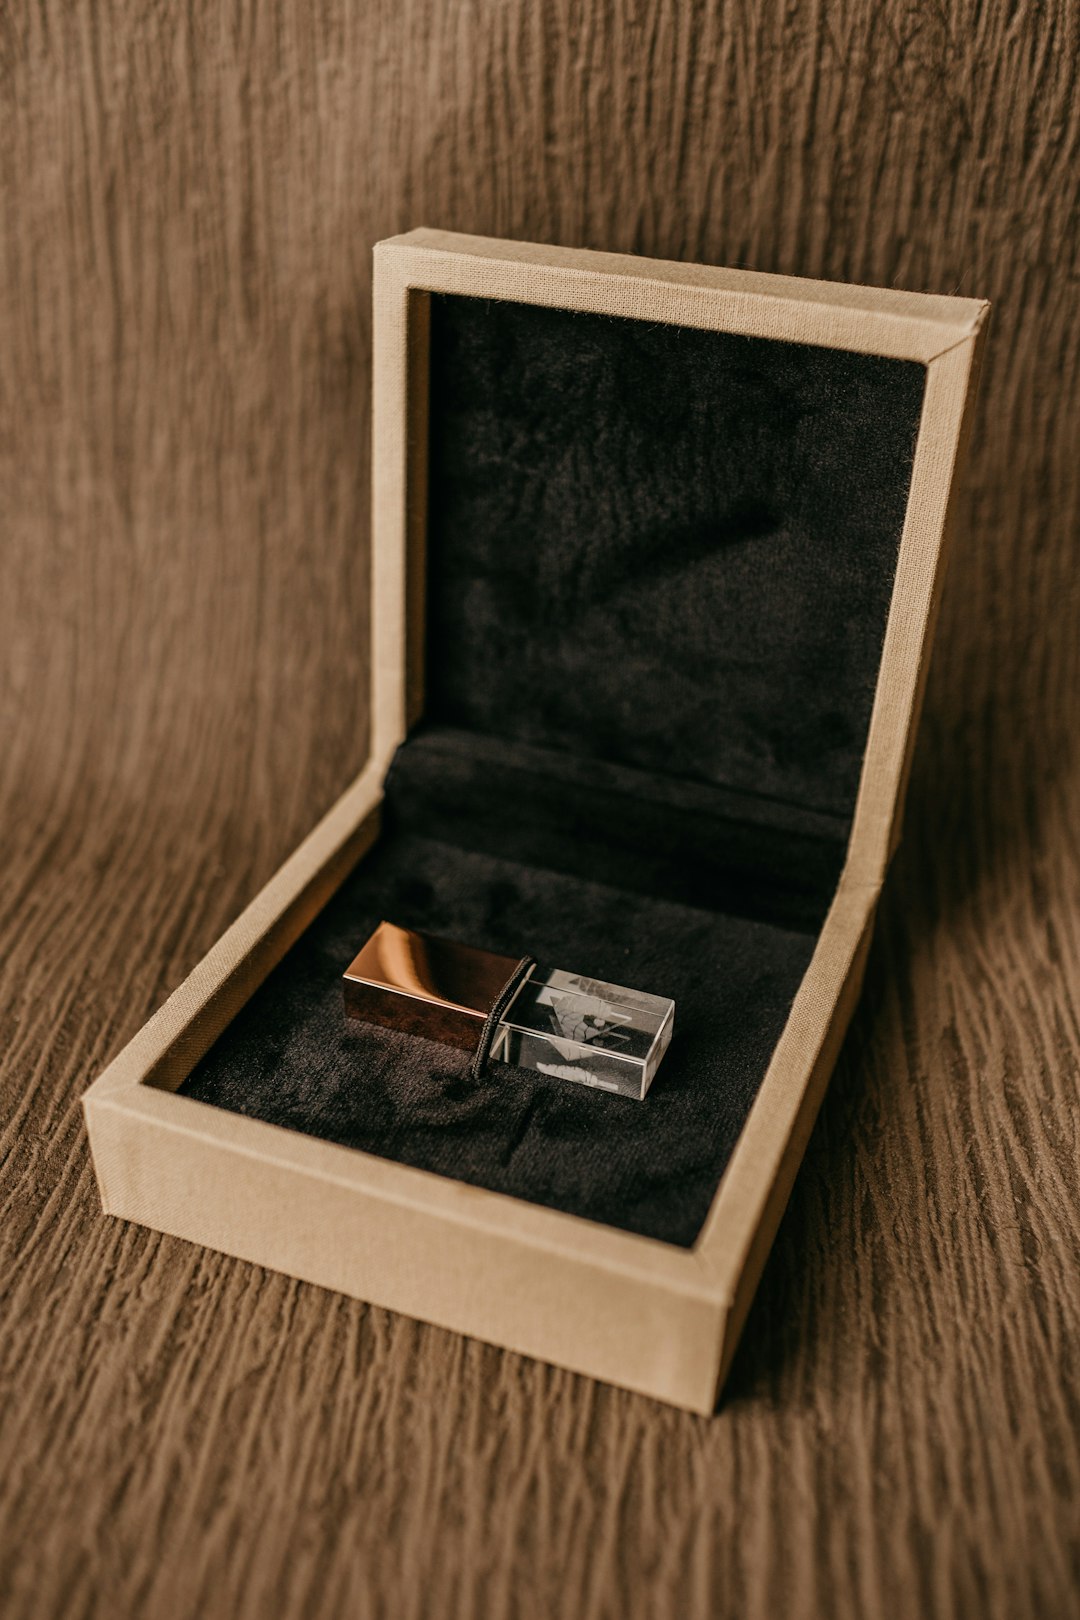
659, 567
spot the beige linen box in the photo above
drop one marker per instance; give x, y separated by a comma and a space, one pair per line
570, 447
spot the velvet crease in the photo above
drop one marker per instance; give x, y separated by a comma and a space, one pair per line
660, 563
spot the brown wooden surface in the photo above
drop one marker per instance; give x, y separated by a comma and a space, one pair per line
189, 199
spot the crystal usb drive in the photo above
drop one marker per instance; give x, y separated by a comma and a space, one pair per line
557, 1023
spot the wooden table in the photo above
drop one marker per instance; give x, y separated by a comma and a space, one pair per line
190, 196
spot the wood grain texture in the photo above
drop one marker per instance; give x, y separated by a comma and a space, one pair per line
189, 195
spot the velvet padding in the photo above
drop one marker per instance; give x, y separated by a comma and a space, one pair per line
660, 563
293, 1058
665, 548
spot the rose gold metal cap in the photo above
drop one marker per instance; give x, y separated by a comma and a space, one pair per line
425, 986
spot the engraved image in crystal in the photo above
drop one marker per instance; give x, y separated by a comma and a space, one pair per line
581, 1029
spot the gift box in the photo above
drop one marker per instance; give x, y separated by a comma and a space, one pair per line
656, 551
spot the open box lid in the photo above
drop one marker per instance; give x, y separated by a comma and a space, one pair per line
679, 520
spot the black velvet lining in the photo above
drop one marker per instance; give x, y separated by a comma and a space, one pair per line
660, 565
668, 548
293, 1058
656, 835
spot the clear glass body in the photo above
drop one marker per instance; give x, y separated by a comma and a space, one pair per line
582, 1029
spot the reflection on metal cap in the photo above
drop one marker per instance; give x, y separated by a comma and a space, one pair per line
425, 986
